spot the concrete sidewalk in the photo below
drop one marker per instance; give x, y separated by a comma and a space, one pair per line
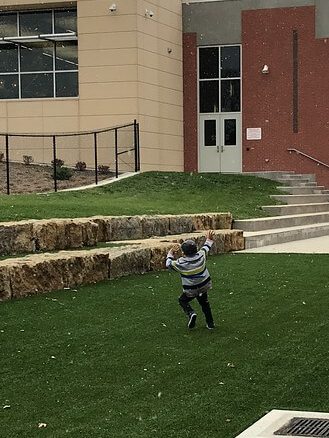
317, 245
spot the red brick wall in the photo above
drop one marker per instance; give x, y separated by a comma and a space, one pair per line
190, 102
267, 38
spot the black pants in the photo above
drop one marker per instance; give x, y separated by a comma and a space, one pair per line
184, 302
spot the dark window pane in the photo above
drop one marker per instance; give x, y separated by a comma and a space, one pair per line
210, 132
8, 58
229, 132
37, 56
230, 95
230, 62
37, 85
65, 21
35, 23
8, 25
209, 63
67, 84
9, 87
209, 100
67, 55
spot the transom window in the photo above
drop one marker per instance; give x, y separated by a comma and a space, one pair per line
219, 79
38, 54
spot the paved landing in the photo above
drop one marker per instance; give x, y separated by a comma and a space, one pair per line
317, 245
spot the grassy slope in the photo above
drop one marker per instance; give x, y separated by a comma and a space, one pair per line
125, 365
149, 193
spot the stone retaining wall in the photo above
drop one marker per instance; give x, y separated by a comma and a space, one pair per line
58, 234
40, 273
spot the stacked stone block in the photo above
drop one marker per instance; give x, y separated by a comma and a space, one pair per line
41, 273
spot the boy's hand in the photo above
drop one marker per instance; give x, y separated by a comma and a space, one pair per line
210, 234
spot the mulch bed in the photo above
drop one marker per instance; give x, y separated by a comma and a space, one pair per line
35, 178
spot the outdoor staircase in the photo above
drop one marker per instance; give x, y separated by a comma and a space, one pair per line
304, 215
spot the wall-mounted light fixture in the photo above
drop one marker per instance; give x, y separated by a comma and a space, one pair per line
265, 69
113, 8
149, 13
169, 50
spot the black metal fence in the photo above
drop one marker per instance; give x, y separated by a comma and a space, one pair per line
45, 162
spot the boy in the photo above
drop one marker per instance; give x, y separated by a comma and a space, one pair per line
195, 277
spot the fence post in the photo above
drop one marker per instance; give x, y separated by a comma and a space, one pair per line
7, 164
55, 162
136, 145
96, 158
116, 153
138, 148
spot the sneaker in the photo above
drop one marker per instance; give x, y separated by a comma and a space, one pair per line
191, 320
210, 326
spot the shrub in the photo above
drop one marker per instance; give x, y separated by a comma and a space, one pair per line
2, 157
81, 166
58, 162
27, 159
105, 170
63, 173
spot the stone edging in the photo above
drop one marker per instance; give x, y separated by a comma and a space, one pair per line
30, 236
40, 273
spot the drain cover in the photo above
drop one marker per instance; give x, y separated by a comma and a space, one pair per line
311, 427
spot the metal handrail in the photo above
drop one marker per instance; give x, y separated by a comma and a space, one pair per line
308, 156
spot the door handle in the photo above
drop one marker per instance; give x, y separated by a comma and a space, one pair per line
222, 148
218, 149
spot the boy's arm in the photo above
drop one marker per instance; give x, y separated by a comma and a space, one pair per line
209, 242
170, 260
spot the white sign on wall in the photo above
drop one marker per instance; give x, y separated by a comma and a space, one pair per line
254, 133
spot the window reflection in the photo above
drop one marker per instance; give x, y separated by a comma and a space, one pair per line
65, 21
8, 58
209, 97
209, 63
230, 95
66, 55
8, 25
210, 133
230, 62
230, 132
9, 87
37, 85
35, 23
67, 84
37, 57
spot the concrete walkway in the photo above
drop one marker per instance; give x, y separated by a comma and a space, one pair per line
103, 182
317, 245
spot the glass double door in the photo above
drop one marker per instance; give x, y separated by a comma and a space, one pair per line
220, 143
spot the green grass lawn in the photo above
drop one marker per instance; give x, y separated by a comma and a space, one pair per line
149, 193
116, 360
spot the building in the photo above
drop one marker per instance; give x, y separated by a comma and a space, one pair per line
68, 66
256, 86
216, 85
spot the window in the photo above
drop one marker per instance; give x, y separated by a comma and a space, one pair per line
38, 54
219, 79
210, 133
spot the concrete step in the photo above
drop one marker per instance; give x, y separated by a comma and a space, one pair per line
298, 182
301, 190
279, 210
257, 239
301, 199
273, 175
267, 223
299, 176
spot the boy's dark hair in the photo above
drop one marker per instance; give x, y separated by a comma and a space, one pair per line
189, 247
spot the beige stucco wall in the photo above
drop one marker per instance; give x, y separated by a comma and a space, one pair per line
125, 72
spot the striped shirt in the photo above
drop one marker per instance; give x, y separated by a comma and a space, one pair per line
194, 273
